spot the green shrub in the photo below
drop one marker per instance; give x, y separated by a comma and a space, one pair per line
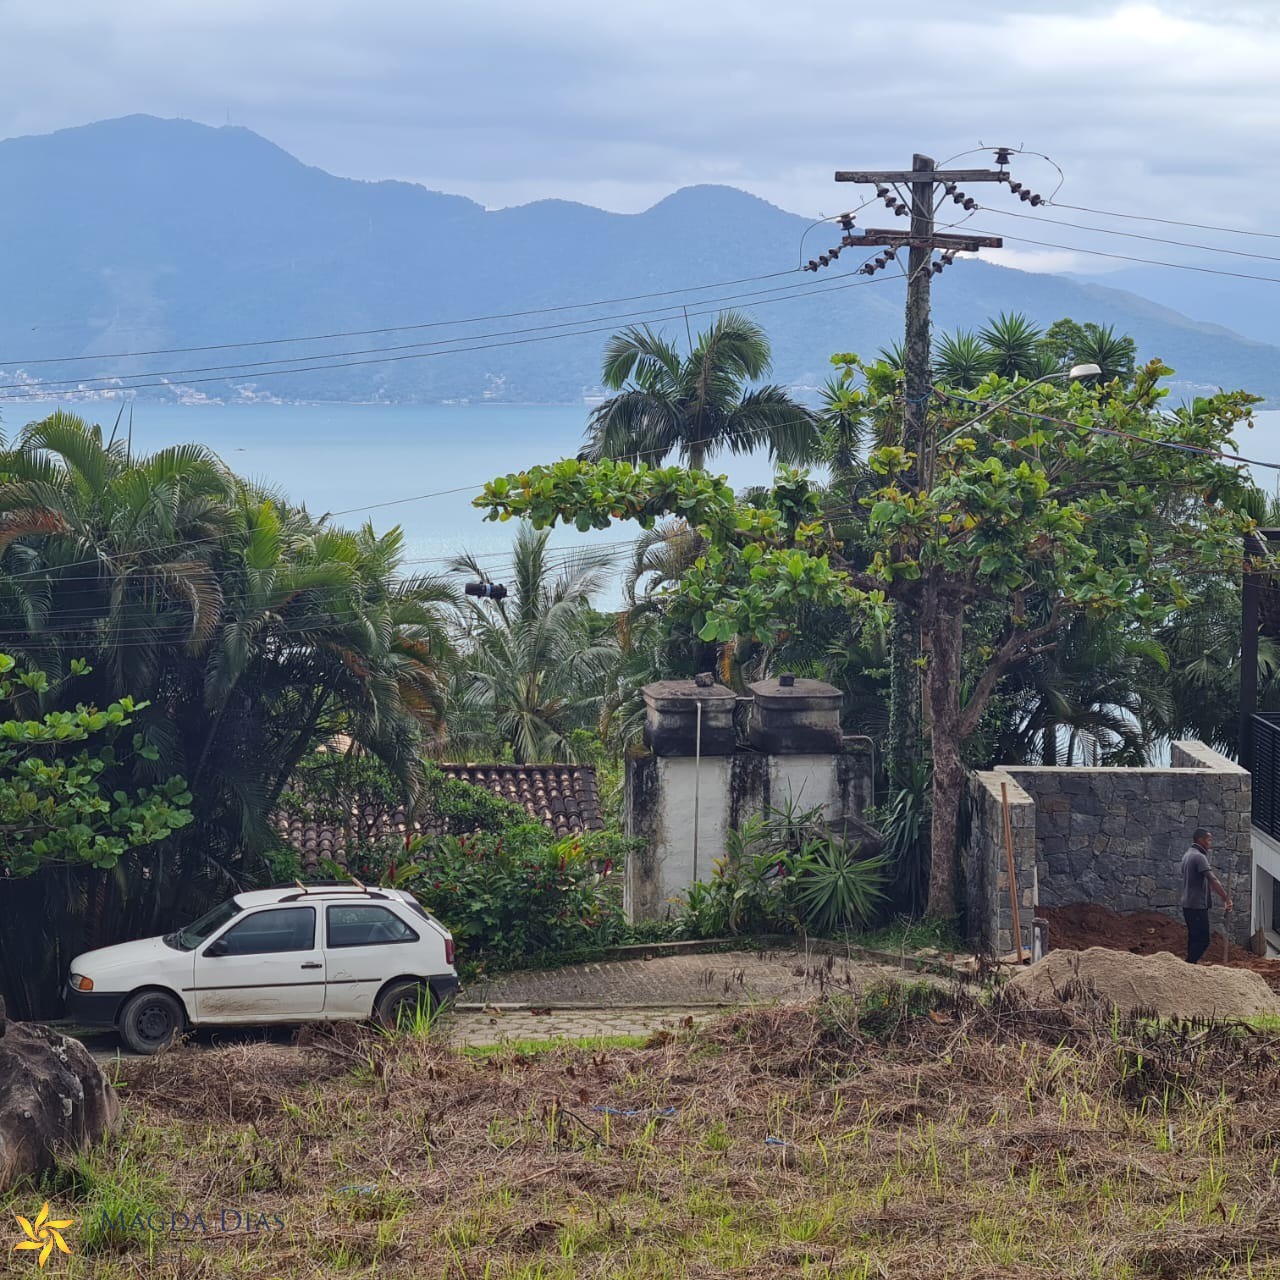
835, 888
509, 890
520, 894
782, 872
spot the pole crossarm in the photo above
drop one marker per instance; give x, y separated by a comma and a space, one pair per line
887, 177
875, 237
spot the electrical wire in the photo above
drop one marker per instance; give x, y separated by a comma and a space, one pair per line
640, 454
252, 367
432, 324
1168, 222
1132, 235
1126, 257
43, 391
1109, 431
835, 217
607, 554
406, 328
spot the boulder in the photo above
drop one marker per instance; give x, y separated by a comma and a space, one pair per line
54, 1099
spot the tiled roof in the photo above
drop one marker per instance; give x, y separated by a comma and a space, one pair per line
563, 797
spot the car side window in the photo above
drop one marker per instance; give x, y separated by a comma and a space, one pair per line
366, 927
264, 932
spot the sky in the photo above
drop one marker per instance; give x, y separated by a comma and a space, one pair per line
1155, 108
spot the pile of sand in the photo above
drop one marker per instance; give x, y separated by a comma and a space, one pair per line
1081, 925
1162, 982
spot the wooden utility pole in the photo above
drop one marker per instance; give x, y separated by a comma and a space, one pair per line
919, 278
923, 178
922, 240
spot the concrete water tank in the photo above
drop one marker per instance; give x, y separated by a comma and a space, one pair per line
671, 717
791, 716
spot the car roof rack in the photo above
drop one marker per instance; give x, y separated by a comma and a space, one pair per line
305, 891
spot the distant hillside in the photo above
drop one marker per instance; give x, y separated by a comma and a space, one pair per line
1241, 305
137, 234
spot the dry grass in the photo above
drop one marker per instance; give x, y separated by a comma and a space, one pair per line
845, 1138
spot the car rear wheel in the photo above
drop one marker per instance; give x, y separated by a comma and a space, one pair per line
405, 1004
149, 1021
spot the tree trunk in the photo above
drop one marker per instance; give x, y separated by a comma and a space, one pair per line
945, 627
904, 694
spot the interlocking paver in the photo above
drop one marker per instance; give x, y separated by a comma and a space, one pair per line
726, 978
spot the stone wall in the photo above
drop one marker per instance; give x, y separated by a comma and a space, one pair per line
1115, 836
663, 793
986, 864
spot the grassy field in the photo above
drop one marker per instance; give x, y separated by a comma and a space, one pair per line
905, 1132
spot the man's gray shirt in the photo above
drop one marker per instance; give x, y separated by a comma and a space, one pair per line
1195, 879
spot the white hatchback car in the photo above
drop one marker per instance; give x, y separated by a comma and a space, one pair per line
314, 953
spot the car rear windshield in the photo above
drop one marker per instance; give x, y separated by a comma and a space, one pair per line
414, 905
193, 935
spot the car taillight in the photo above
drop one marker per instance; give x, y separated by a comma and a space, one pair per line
81, 983
448, 951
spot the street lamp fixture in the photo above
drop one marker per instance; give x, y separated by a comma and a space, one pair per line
1074, 374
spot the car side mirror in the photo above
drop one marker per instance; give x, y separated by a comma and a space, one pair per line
218, 948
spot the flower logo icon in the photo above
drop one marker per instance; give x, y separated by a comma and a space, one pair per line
44, 1233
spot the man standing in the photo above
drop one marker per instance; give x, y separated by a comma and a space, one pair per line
1198, 882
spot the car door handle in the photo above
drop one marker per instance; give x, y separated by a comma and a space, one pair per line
313, 964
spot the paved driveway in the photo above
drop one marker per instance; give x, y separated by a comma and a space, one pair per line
680, 981
611, 998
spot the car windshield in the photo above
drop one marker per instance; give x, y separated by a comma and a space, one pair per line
193, 935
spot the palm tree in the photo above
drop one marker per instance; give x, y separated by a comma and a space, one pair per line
1113, 353
125, 550
894, 355
696, 405
962, 359
1014, 342
1100, 695
251, 630
534, 665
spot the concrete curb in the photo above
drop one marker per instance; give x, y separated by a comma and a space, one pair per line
785, 942
577, 1006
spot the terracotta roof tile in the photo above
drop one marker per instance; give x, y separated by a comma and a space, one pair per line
563, 797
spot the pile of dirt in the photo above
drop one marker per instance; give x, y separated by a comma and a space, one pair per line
1159, 982
1082, 925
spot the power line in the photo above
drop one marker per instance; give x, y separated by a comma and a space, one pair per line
607, 554
1169, 222
1111, 431
184, 544
1133, 235
416, 327
1151, 262
250, 368
405, 328
42, 391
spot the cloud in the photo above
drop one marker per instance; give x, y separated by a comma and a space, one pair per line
1147, 107
1054, 261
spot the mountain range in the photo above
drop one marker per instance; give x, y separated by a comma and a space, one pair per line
143, 235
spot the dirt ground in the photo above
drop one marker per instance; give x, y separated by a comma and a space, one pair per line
903, 1132
1087, 924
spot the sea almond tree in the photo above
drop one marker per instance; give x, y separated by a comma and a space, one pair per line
1063, 504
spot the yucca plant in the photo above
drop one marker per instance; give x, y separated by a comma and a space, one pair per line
836, 888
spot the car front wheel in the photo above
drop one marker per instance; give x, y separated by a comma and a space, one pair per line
149, 1021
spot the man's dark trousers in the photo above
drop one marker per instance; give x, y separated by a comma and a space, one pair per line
1197, 919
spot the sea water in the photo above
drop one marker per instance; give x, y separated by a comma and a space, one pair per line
395, 464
